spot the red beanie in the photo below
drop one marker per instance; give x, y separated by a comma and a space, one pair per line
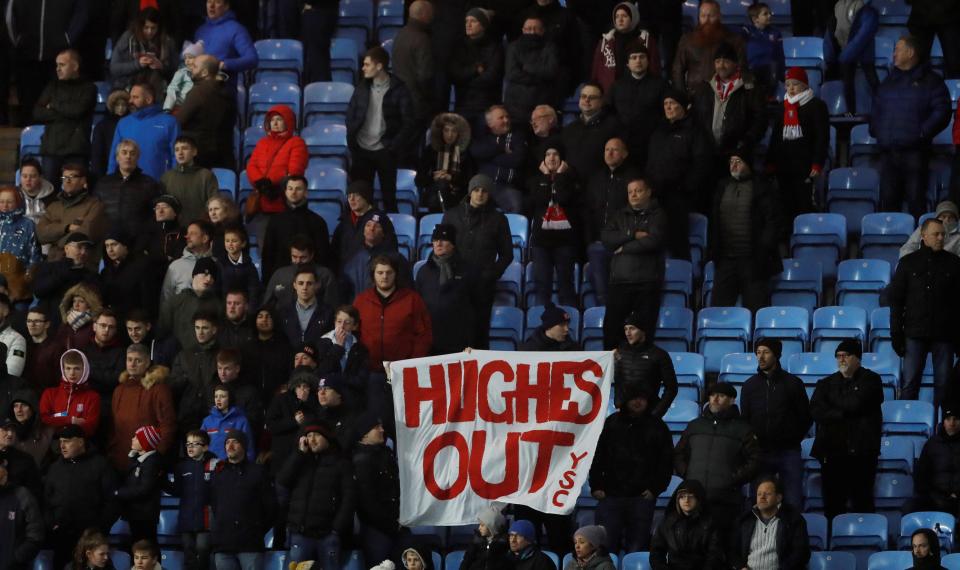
149, 438
797, 73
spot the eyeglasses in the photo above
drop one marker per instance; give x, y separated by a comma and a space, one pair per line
194, 444
71, 177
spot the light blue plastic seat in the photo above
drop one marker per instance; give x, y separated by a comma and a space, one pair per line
674, 329
860, 281
820, 237
790, 325
721, 330
833, 324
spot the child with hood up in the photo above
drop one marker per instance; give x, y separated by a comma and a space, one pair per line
182, 81
73, 402
687, 539
489, 548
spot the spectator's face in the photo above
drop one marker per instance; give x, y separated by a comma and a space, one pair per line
135, 444
795, 87
72, 372
8, 202
633, 334
71, 447
162, 212
709, 14
99, 556
221, 400
591, 100
638, 194
104, 329
473, 28
236, 307
638, 63
277, 124
305, 284
482, 530
498, 121
78, 252
622, 20
216, 8
228, 371
637, 405
127, 157
552, 160
903, 55
197, 240
140, 98
479, 197
137, 364
316, 442
847, 363
920, 546
73, 181
412, 562
184, 152
442, 247
724, 67
8, 437
951, 424
328, 397
375, 436
767, 497
22, 412
582, 547
204, 331
358, 204
150, 30
264, 322
300, 256
533, 27
384, 277
190, 62
673, 110
303, 359
214, 211
934, 236
344, 322
949, 220
116, 251
720, 402
195, 447
143, 560
517, 542
559, 332
302, 391
373, 233
766, 359
67, 67
738, 168
234, 243
450, 134
614, 153
687, 502
30, 179
234, 450
80, 304
137, 331
371, 68
37, 324
543, 120
296, 191
201, 282
763, 18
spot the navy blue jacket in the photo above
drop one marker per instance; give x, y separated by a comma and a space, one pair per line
321, 321
764, 49
243, 506
401, 133
192, 483
860, 46
909, 108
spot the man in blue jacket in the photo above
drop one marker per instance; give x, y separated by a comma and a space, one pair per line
226, 39
154, 131
911, 106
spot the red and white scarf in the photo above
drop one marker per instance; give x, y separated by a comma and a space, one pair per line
725, 88
791, 114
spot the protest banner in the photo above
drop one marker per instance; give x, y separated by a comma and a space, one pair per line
509, 427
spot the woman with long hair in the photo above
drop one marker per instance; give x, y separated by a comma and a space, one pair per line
144, 51
92, 551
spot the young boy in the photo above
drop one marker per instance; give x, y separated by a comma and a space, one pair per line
139, 495
192, 185
146, 556
224, 417
73, 402
192, 483
237, 271
765, 57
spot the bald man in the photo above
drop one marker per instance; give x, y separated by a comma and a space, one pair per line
208, 114
413, 59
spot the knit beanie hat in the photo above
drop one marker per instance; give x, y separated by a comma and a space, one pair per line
775, 346
169, 200
208, 266
677, 95
149, 438
850, 346
192, 49
493, 519
481, 15
634, 319
480, 181
722, 388
444, 232
553, 316
525, 529
594, 534
798, 74
362, 187
333, 381
237, 436
726, 51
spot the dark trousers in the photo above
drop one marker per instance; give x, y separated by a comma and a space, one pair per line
599, 258
64, 540
377, 546
196, 550
485, 298
143, 530
786, 465
383, 164
848, 75
949, 41
545, 261
735, 276
903, 176
810, 16
32, 77
848, 480
628, 521
677, 208
317, 26
559, 528
623, 299
914, 360
798, 195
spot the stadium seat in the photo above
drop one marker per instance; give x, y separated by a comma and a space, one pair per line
344, 58
909, 417
810, 367
280, 60
674, 329
356, 14
853, 193
810, 464
360, 38
832, 94
427, 223
860, 281
805, 52
698, 241
721, 330
689, 368
706, 288
800, 284
892, 12
887, 365
951, 561
679, 414
326, 138
813, 493
817, 530
506, 328
880, 336
863, 147
405, 226
677, 283
833, 324
890, 560
510, 286
737, 367
593, 328
520, 233
820, 237
416, 267
896, 455
861, 534
664, 497
273, 560
43, 560
30, 141
262, 96
120, 559
890, 492
882, 234
791, 325
326, 184
939, 522
530, 285
390, 13
251, 136
326, 100
453, 560
533, 319
167, 531
226, 180
103, 93
352, 560
635, 561
832, 561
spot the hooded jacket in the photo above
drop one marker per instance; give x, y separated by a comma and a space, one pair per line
179, 276
434, 156
18, 237
83, 336
66, 110
21, 530
394, 329
59, 406
937, 472
33, 436
228, 40
148, 401
488, 552
687, 542
609, 57
35, 206
276, 156
154, 132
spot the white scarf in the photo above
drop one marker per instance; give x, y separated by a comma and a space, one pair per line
791, 114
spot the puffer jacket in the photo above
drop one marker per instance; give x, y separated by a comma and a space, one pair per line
243, 506
909, 108
80, 493
792, 541
228, 40
128, 202
218, 424
377, 487
395, 329
58, 406
154, 132
687, 542
848, 415
276, 156
139, 403
860, 45
18, 237
765, 50
679, 156
937, 473
720, 450
322, 496
649, 366
765, 224
585, 141
401, 134
634, 454
777, 406
744, 119
475, 92
531, 76
66, 110
483, 237
193, 483
640, 260
22, 530
923, 296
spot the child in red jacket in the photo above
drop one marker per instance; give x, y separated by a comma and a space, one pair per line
73, 402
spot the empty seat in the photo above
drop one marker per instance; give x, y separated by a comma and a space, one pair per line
880, 336
890, 560
635, 561
820, 237
251, 136
674, 329
262, 96
939, 522
791, 325
832, 561
833, 324
810, 367
405, 227
892, 12
800, 284
326, 184
689, 368
863, 147
167, 531
453, 560
896, 455
30, 141
862, 534
534, 313
860, 281
272, 560
593, 328
909, 417
738, 367
389, 13
327, 99
853, 193
698, 241
816, 530
721, 330
344, 59
506, 328
519, 233
279, 60
356, 14
326, 138
510, 286
887, 365
890, 492
120, 559
679, 414
951, 561
882, 234
226, 180
677, 283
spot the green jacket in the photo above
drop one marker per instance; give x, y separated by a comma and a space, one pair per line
193, 186
66, 110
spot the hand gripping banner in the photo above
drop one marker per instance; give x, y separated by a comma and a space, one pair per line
510, 427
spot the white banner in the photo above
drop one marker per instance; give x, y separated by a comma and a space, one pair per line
510, 427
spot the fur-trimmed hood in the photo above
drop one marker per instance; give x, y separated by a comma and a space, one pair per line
88, 293
436, 131
156, 374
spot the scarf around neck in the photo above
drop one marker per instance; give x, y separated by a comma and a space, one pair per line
77, 319
445, 266
725, 88
791, 114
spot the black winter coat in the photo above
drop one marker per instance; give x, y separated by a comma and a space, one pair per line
486, 555
22, 469
640, 260
540, 342
79, 493
477, 90
321, 321
679, 159
531, 558
937, 474
638, 104
283, 227
66, 110
778, 409
357, 368
483, 238
268, 363
531, 76
848, 415
128, 203
377, 487
106, 365
133, 283
241, 276
208, 115
634, 454
606, 193
21, 528
744, 117
235, 335
795, 158
452, 305
243, 504
923, 297
322, 496
283, 427
162, 242
398, 115
192, 378
585, 142
564, 189
690, 542
649, 366
765, 226
42, 29
192, 482
139, 494
793, 543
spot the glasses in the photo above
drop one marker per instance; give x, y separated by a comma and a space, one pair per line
66, 177
194, 444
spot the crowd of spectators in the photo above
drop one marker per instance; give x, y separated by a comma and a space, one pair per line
159, 338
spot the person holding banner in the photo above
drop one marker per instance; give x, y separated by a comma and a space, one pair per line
553, 334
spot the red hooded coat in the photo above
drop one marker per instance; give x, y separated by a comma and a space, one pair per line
59, 405
277, 156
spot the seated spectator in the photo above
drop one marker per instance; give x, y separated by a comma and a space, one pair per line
546, 131
302, 251
342, 352
226, 417
590, 549
191, 184
23, 530
500, 151
296, 220
146, 555
127, 192
65, 108
54, 278
764, 47
238, 271
21, 469
269, 356
375, 241
92, 551
398, 322
243, 394
74, 210
144, 52
118, 105
531, 72
445, 166
848, 44
19, 250
177, 315
306, 318
35, 191
105, 355
33, 437
192, 483
693, 63
182, 81
153, 130
222, 212
553, 334
79, 308
476, 68
139, 328
688, 537
947, 213
128, 280
637, 99
525, 554
278, 155
199, 245
642, 363
610, 56
937, 473
489, 548
43, 350
787, 547
139, 492
209, 114
925, 547
416, 555
377, 488
237, 328
228, 40
348, 237
142, 397
12, 343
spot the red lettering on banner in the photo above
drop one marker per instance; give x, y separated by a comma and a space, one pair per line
538, 391
561, 407
463, 391
546, 441
557, 495
415, 395
568, 480
503, 368
511, 475
430, 456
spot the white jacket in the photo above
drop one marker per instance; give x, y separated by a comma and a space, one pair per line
16, 350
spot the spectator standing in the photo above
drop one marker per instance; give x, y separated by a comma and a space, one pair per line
291, 410
74, 210
348, 237
191, 184
22, 531
162, 241
65, 108
382, 125
849, 44
477, 67
144, 52
846, 408
72, 402
33, 437
910, 107
532, 70
127, 192
237, 327
612, 53
642, 365
776, 405
500, 151
772, 533
105, 356
139, 328
764, 47
79, 308
937, 472
296, 220
278, 155
545, 131
118, 106
21, 469
413, 60
92, 551
269, 354
446, 165
377, 492
139, 492
585, 137
306, 319
226, 39
636, 98
929, 18
924, 310
153, 130
54, 278
318, 22
279, 289
13, 346
192, 378
695, 53
209, 114
340, 350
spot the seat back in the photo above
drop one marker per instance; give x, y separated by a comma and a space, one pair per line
738, 367
859, 529
908, 417
832, 561
939, 522
810, 367
680, 413
816, 530
506, 324
674, 329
